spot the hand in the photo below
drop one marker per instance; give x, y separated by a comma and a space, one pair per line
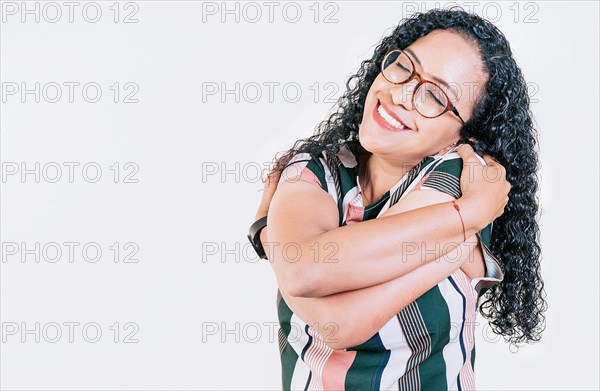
484, 187
270, 185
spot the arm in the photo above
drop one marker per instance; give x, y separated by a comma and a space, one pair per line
304, 218
355, 316
346, 312
327, 259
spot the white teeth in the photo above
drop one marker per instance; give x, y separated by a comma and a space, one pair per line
389, 119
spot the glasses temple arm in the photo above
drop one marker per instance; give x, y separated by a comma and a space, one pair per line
458, 115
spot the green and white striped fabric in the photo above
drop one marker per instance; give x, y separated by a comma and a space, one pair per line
429, 344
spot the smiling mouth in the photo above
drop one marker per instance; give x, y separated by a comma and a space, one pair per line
386, 120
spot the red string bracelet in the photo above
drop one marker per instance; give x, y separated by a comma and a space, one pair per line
461, 219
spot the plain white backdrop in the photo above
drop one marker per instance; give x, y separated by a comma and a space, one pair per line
142, 277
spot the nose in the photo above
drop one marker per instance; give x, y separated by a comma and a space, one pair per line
402, 94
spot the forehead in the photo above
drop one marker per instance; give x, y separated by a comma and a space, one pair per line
448, 56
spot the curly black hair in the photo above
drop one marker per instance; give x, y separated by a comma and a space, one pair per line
502, 127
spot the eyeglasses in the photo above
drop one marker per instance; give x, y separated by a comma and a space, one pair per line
428, 99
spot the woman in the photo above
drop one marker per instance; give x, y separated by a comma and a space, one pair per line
363, 300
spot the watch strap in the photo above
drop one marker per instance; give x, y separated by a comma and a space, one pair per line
254, 236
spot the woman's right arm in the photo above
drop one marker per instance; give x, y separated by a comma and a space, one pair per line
313, 257
350, 318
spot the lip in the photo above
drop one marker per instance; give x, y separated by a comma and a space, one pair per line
383, 123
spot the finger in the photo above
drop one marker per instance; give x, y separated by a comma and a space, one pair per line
467, 153
470, 156
489, 160
272, 178
270, 189
484, 154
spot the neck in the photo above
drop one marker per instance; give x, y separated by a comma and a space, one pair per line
378, 175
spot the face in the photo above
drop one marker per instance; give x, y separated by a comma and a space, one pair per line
441, 54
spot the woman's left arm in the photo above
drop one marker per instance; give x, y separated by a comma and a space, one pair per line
350, 318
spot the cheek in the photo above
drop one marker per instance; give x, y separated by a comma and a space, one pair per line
376, 87
437, 131
379, 84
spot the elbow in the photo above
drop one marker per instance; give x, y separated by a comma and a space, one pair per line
336, 343
304, 279
339, 331
344, 339
308, 284
337, 334
298, 282
350, 332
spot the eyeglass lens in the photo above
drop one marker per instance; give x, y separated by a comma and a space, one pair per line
429, 99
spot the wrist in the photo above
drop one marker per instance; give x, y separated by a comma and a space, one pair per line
471, 213
263, 238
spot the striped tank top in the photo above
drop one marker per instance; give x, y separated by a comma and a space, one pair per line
430, 343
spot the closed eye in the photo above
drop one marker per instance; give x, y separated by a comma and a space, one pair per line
402, 66
434, 97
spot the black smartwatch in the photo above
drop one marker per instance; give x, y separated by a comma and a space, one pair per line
254, 236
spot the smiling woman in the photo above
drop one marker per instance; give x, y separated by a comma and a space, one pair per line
389, 184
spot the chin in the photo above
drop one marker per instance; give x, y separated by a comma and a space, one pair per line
367, 137
377, 146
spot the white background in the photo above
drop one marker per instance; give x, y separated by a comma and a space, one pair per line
179, 288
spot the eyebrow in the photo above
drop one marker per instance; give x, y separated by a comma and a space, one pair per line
441, 81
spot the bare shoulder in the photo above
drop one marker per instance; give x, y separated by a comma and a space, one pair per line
300, 211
